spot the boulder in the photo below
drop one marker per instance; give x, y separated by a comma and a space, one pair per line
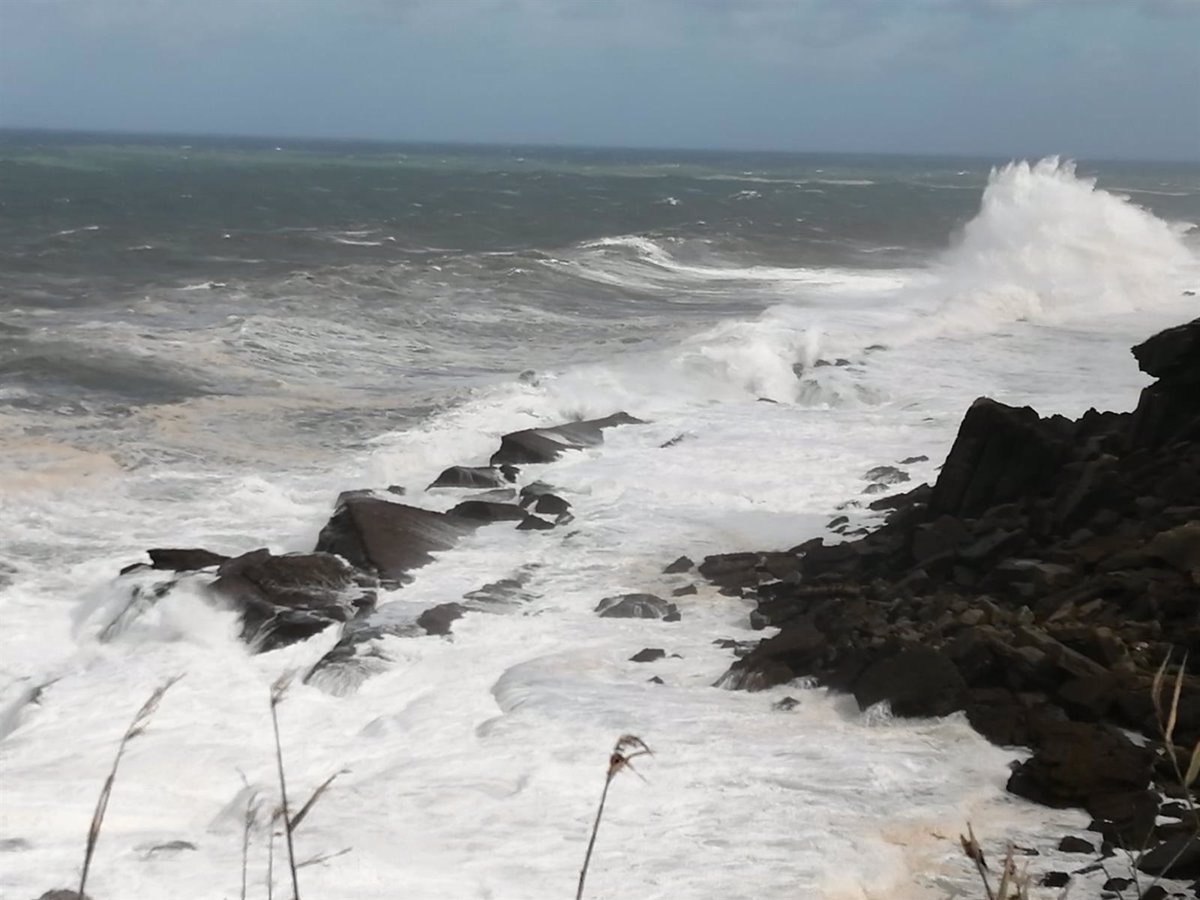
283, 599
551, 505
475, 477
1177, 857
542, 445
390, 539
637, 606
650, 654
1002, 453
1075, 762
1173, 355
916, 682
438, 619
683, 564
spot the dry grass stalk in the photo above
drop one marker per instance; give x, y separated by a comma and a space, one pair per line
249, 820
1013, 885
136, 727
628, 747
316, 795
278, 692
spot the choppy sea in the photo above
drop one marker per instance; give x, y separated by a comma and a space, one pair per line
203, 341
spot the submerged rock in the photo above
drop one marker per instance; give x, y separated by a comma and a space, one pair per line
476, 477
638, 606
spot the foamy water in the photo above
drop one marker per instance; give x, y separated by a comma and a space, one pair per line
470, 766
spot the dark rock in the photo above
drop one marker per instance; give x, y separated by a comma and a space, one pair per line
683, 564
1055, 879
283, 599
1154, 892
916, 682
656, 680
1172, 355
887, 475
389, 538
475, 477
908, 461
551, 505
1076, 761
650, 654
170, 847
184, 560
534, 523
541, 445
438, 619
1072, 844
1177, 857
485, 511
61, 894
1117, 884
787, 704
686, 591
637, 606
1001, 453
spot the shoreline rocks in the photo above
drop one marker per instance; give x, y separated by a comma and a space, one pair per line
1037, 586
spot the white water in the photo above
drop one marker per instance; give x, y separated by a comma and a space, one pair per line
472, 765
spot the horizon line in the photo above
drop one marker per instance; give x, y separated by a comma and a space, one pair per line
569, 146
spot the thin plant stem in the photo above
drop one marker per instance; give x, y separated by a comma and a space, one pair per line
140, 720
277, 692
618, 761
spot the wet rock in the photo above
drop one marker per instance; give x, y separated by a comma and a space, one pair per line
390, 539
64, 895
283, 599
787, 704
534, 523
683, 564
637, 606
440, 618
486, 511
184, 560
908, 461
551, 505
1072, 844
541, 445
1001, 453
688, 590
475, 477
1055, 879
886, 475
1177, 858
1075, 762
916, 682
650, 654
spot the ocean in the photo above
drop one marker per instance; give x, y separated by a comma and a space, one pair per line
203, 341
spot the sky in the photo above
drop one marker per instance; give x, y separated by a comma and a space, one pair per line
1081, 78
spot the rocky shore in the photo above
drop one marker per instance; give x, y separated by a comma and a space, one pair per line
1037, 587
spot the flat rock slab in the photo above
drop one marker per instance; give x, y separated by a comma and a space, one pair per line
638, 606
488, 511
387, 538
542, 445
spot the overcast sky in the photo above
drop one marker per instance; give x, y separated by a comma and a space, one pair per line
1084, 78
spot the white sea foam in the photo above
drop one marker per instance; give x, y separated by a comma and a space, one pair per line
471, 766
